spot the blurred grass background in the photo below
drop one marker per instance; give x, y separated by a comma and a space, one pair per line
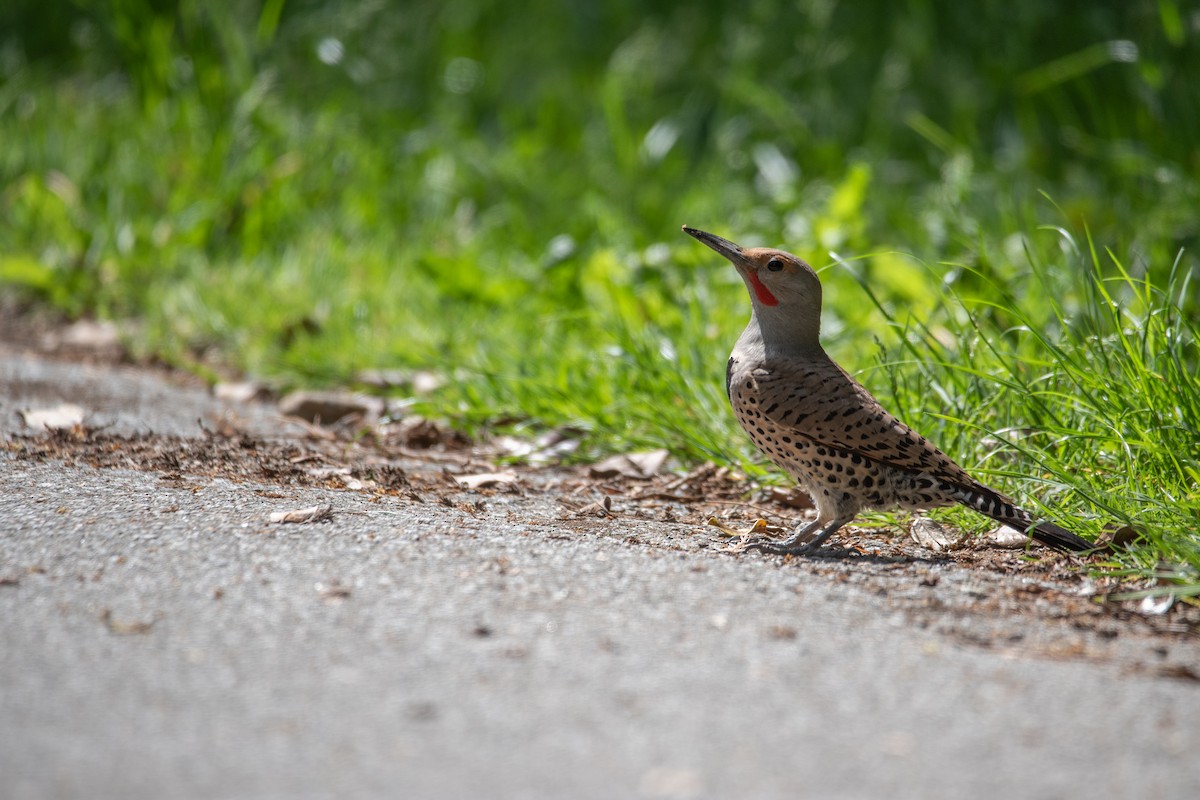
1003, 198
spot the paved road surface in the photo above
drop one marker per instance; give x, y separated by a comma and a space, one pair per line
159, 639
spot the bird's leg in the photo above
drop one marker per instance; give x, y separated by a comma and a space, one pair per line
799, 543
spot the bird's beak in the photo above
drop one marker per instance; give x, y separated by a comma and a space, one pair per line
723, 246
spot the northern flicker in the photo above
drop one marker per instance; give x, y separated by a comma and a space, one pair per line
818, 424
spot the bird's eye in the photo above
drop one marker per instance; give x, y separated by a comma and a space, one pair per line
775, 264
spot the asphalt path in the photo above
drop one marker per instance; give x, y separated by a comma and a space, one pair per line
161, 638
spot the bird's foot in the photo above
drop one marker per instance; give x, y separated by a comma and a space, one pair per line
786, 548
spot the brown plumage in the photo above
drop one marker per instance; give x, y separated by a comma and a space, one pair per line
821, 426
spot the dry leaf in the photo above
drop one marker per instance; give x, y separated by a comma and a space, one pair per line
601, 508
343, 474
1153, 605
792, 498
1168, 576
931, 534
61, 417
759, 526
419, 433
303, 515
327, 408
550, 446
1123, 536
240, 392
631, 465
1008, 538
418, 382
324, 473
91, 337
333, 592
485, 479
1180, 671
124, 627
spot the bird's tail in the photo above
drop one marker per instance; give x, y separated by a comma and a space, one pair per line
1000, 508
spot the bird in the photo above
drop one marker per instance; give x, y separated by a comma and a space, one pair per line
821, 426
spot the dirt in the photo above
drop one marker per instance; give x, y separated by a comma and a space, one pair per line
974, 592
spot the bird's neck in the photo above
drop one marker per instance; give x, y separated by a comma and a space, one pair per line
769, 336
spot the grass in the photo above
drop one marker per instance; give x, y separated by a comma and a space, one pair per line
1106, 394
1005, 220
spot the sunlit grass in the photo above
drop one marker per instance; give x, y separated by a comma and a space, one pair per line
1087, 409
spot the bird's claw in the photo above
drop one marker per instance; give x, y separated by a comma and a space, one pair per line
775, 548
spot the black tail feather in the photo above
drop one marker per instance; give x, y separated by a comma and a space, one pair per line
1052, 535
1001, 509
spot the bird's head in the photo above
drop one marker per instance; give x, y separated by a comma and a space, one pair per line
784, 291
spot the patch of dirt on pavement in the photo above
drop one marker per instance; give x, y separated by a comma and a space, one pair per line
1033, 601
234, 457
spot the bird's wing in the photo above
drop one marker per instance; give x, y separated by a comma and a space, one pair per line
824, 405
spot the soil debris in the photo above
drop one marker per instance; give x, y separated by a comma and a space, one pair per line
301, 516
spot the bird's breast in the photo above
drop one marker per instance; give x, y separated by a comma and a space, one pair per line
740, 378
